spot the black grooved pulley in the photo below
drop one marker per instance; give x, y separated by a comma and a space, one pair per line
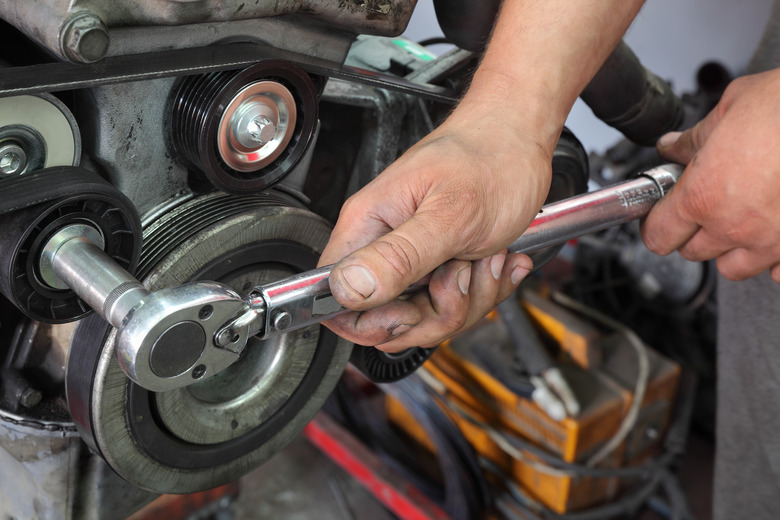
34, 209
385, 367
244, 130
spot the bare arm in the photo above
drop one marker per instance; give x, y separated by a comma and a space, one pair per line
463, 193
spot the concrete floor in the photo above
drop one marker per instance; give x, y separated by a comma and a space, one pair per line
300, 483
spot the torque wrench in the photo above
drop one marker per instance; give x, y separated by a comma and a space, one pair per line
173, 337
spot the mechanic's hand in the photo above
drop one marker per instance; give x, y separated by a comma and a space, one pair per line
449, 206
727, 203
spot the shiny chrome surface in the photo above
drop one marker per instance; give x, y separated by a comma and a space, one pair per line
81, 231
96, 278
149, 333
306, 298
288, 304
597, 210
257, 125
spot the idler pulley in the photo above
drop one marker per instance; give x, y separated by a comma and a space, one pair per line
34, 210
246, 129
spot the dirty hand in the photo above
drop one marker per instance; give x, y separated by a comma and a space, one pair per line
725, 206
449, 207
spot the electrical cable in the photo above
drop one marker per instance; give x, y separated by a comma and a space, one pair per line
436, 40
464, 493
629, 421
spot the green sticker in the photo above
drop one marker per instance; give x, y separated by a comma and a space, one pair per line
415, 49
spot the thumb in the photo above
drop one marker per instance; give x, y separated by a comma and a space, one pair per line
380, 271
682, 146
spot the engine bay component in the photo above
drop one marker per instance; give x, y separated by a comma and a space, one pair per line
388, 367
36, 132
54, 199
202, 311
633, 100
467, 24
217, 429
84, 31
245, 130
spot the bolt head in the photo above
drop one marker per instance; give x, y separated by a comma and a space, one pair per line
9, 163
30, 397
84, 38
261, 129
13, 160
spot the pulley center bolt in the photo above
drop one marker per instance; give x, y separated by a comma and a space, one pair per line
254, 125
261, 130
13, 160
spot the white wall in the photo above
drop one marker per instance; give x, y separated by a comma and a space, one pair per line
671, 38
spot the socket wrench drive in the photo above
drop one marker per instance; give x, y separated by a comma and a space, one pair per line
174, 337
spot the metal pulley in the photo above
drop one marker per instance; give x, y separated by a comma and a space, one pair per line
217, 428
244, 130
36, 132
42, 207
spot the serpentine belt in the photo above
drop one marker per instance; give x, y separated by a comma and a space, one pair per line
56, 183
59, 76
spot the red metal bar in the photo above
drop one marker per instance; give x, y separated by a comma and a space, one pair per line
343, 448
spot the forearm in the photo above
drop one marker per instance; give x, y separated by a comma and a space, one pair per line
541, 55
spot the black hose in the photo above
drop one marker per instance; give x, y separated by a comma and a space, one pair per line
633, 100
466, 23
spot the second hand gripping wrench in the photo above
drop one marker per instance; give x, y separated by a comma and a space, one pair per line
174, 337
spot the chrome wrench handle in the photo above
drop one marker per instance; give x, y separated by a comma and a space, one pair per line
305, 299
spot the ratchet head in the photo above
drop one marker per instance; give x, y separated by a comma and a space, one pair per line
177, 336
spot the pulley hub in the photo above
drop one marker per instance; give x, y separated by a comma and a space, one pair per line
218, 428
245, 130
256, 126
36, 132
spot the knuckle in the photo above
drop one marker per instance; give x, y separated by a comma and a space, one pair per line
699, 203
400, 254
454, 322
655, 243
730, 271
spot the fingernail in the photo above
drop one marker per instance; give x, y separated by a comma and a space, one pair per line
464, 279
359, 279
669, 139
399, 329
496, 265
518, 273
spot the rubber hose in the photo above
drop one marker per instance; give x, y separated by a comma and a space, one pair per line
633, 100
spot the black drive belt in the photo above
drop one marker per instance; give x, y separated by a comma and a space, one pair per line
51, 184
59, 76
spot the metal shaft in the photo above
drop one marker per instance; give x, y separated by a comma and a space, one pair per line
97, 279
597, 210
305, 298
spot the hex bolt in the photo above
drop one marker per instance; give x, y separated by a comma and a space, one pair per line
261, 129
13, 160
282, 321
84, 38
30, 397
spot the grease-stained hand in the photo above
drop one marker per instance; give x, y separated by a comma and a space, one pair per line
448, 207
726, 206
